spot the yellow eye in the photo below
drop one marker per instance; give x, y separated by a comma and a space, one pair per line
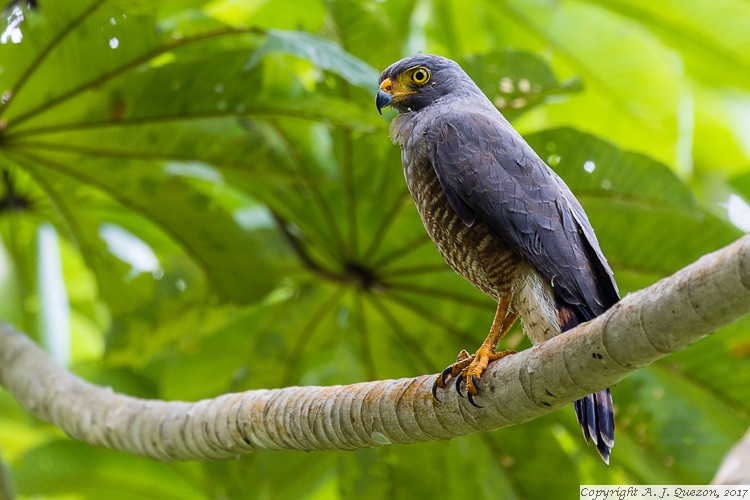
420, 75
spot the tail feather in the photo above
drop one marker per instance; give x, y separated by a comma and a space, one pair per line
595, 412
597, 419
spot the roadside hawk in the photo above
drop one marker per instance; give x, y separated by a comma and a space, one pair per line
500, 217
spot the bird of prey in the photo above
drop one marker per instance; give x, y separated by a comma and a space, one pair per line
500, 217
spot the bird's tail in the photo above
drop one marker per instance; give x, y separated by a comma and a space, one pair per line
597, 418
595, 412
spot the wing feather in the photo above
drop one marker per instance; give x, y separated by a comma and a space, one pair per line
489, 173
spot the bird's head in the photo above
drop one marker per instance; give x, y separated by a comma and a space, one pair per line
415, 82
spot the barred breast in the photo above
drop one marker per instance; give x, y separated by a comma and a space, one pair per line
472, 251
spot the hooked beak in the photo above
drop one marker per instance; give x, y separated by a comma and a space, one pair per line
384, 97
383, 100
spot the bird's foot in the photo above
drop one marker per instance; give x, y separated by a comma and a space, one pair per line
463, 360
468, 368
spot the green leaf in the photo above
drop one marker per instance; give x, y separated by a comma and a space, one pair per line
322, 53
182, 212
235, 145
516, 81
66, 467
127, 136
697, 422
307, 14
712, 43
742, 184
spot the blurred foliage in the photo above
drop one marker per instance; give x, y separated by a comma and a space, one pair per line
233, 216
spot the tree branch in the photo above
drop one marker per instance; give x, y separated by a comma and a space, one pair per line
643, 327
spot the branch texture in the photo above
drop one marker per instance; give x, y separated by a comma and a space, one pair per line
643, 327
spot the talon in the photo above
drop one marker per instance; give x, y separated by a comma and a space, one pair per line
434, 391
475, 381
471, 400
459, 379
445, 374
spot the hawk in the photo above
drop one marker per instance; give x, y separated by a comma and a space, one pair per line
500, 217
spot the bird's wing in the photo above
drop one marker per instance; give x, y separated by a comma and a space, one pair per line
489, 173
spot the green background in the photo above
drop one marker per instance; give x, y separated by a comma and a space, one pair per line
231, 215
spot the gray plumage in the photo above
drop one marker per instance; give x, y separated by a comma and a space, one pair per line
498, 214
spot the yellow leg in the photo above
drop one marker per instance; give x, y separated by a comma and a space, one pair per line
470, 367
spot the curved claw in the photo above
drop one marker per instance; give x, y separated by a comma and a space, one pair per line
471, 400
459, 379
434, 391
444, 375
475, 381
